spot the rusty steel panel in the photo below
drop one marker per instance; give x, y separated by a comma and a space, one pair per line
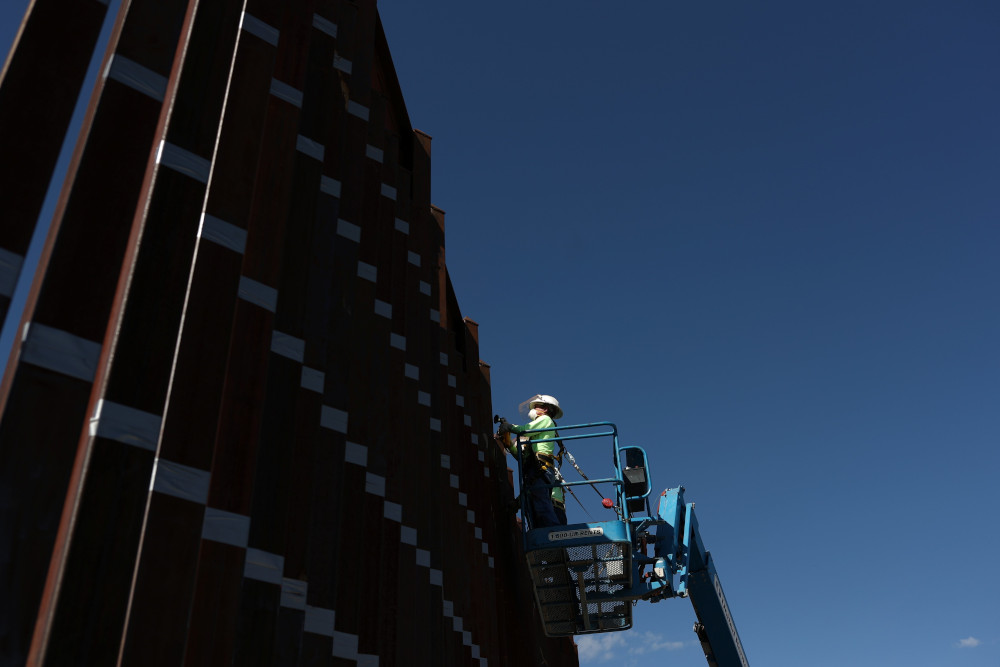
39, 85
146, 312
280, 452
64, 325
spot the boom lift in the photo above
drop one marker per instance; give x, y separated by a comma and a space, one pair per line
588, 576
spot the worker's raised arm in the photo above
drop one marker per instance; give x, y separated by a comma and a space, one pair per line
503, 436
542, 421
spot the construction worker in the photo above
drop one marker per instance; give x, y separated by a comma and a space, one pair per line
539, 475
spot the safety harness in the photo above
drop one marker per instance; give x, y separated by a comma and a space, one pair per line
547, 461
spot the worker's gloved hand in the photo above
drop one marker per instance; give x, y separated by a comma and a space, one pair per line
505, 426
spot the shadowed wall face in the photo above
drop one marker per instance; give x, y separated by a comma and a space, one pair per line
259, 427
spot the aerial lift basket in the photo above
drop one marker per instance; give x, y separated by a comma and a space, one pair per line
587, 576
577, 578
581, 573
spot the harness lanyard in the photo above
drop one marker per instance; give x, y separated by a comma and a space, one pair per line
582, 474
560, 479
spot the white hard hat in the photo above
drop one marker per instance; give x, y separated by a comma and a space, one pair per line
545, 399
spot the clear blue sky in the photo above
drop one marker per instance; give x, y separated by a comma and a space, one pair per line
763, 239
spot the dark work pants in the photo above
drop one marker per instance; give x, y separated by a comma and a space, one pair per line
540, 498
560, 514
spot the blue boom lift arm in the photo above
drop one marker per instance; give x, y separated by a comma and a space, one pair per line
698, 580
588, 576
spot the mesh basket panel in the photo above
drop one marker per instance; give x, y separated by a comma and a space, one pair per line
603, 569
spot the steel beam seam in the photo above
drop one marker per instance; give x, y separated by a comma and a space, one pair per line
180, 481
136, 77
130, 426
60, 351
225, 527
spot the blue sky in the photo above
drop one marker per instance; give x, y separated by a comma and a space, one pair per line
762, 238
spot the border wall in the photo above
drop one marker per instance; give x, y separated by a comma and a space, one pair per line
244, 421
